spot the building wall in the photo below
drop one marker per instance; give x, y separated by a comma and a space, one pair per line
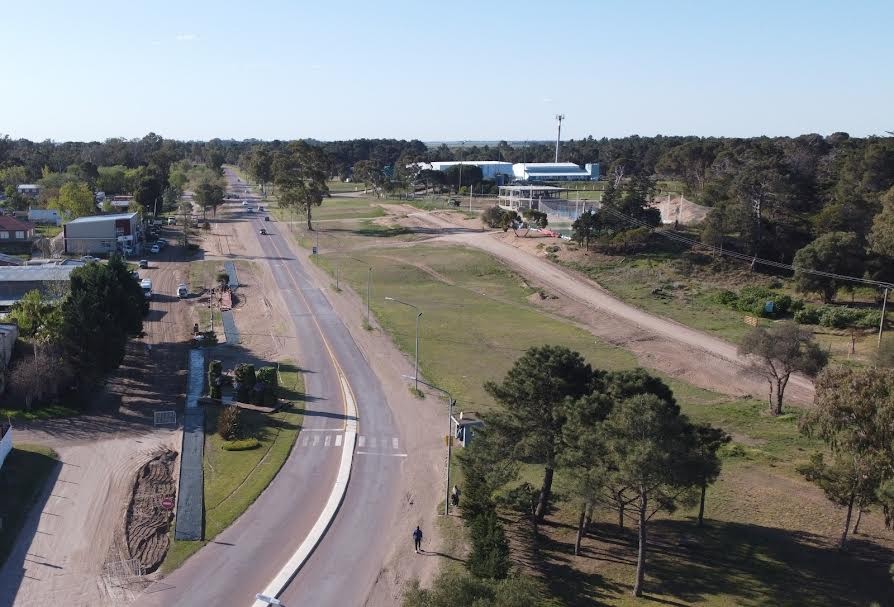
98, 237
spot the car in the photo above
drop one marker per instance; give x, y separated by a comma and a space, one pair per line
244, 203
266, 218
251, 209
146, 285
182, 291
260, 208
172, 221
144, 264
89, 259
162, 242
155, 248
263, 232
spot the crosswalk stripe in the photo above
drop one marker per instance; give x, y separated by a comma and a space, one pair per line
361, 441
372, 442
394, 444
338, 440
316, 439
326, 440
306, 439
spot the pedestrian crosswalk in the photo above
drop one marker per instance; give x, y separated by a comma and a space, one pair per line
365, 445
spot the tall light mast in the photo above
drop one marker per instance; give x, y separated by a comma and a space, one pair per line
559, 118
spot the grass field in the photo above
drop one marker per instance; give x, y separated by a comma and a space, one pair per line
768, 525
38, 413
235, 479
23, 476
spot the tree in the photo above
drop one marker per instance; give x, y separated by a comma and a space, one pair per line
209, 194
37, 318
149, 188
75, 200
532, 397
852, 413
260, 166
104, 308
489, 557
38, 377
649, 447
835, 252
778, 352
585, 228
708, 441
111, 180
459, 588
881, 239
300, 174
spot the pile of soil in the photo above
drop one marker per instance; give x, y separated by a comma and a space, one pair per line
148, 523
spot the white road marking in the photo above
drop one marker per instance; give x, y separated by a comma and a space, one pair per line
361, 441
317, 429
383, 454
372, 442
306, 439
394, 443
316, 439
338, 440
327, 440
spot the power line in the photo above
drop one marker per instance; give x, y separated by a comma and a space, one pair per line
671, 235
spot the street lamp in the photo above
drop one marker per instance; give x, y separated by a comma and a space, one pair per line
418, 316
450, 402
368, 281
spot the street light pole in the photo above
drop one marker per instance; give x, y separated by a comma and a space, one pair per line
418, 316
450, 403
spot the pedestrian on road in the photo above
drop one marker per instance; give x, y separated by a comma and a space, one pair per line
417, 539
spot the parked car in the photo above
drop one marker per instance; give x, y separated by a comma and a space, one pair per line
266, 218
146, 285
89, 259
244, 203
251, 209
182, 291
161, 242
172, 221
260, 208
263, 232
155, 248
144, 264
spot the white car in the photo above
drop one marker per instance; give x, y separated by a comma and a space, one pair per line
146, 285
155, 249
244, 203
182, 291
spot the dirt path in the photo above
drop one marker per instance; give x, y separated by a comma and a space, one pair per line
678, 350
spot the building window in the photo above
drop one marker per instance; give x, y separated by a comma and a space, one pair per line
20, 235
4, 235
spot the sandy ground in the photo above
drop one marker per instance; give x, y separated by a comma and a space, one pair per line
698, 358
60, 555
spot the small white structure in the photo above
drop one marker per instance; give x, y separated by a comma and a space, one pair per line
31, 190
523, 197
45, 216
464, 426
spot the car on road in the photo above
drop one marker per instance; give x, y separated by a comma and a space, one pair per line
262, 232
155, 248
182, 291
251, 209
89, 259
260, 208
144, 264
162, 242
266, 218
244, 203
146, 285
172, 221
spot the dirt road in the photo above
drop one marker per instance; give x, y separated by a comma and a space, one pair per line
77, 528
660, 343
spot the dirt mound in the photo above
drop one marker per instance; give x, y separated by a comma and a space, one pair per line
148, 522
679, 209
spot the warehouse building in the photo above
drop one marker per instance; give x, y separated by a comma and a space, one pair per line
555, 171
52, 281
102, 234
490, 169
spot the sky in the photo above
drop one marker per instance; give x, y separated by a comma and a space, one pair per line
451, 70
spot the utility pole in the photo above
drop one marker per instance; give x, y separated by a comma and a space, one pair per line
460, 184
559, 119
418, 316
881, 324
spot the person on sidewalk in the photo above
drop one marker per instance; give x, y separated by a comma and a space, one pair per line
454, 496
417, 539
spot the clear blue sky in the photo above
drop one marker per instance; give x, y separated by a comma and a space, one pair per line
486, 70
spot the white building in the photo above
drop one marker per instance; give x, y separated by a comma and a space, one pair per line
489, 168
554, 171
45, 216
28, 189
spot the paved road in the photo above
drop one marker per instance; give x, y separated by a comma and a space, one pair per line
245, 557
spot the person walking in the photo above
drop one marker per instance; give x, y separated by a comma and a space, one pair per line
454, 496
417, 539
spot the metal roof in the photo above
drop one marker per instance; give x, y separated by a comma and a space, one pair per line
539, 188
35, 273
98, 218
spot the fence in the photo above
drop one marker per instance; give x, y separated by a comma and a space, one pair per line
569, 210
123, 573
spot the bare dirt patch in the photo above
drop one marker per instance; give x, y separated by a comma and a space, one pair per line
148, 520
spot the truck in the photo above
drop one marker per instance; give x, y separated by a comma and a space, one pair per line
146, 285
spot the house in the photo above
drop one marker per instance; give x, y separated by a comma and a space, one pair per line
45, 216
53, 281
30, 190
102, 234
12, 230
463, 427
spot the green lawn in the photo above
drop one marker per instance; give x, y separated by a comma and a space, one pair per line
47, 230
38, 413
22, 478
235, 479
767, 523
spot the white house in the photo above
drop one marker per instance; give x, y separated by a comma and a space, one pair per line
554, 171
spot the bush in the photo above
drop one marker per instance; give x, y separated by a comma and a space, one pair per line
229, 423
841, 318
267, 376
807, 315
244, 444
523, 499
726, 298
245, 381
489, 557
222, 278
215, 369
535, 219
492, 217
884, 357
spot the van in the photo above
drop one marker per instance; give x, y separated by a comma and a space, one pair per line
146, 285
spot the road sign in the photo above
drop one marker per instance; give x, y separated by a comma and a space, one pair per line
167, 503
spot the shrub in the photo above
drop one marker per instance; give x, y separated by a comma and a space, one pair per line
807, 315
222, 278
726, 298
244, 444
229, 423
215, 368
245, 381
492, 217
535, 219
884, 357
267, 376
523, 499
489, 557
